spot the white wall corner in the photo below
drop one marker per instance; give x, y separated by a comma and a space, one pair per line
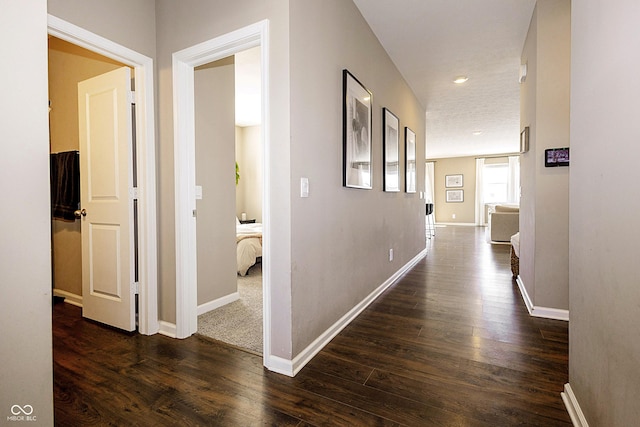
573, 407
292, 367
537, 311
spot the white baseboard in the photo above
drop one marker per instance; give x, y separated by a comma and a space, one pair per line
69, 297
217, 303
167, 329
573, 407
280, 365
465, 224
291, 368
537, 311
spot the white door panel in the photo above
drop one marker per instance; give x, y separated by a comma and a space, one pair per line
106, 173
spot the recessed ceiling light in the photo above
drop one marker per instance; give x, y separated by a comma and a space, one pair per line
477, 132
460, 79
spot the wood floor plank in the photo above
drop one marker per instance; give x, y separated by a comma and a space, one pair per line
449, 344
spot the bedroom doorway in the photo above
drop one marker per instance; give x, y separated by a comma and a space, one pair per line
228, 134
188, 193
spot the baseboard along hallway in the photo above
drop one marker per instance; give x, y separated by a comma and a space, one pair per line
450, 343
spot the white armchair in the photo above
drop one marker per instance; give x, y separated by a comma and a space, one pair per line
504, 222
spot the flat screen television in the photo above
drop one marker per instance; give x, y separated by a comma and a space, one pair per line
556, 157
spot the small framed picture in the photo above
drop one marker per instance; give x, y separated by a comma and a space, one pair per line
524, 140
410, 159
356, 133
455, 196
453, 181
390, 151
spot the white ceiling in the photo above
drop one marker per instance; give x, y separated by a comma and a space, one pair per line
433, 41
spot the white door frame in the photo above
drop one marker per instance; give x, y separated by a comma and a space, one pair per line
145, 155
184, 63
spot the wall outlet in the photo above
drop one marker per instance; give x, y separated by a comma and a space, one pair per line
453, 216
390, 254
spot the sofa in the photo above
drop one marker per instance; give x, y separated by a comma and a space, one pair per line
504, 222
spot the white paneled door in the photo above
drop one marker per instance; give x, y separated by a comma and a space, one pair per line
107, 193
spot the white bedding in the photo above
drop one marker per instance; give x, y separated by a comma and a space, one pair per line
249, 245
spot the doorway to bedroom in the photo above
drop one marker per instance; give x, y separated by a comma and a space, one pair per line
228, 137
192, 196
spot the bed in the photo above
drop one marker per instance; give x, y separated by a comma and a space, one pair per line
249, 245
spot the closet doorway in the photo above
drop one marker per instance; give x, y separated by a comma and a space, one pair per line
77, 55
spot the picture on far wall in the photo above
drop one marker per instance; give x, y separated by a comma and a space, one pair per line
356, 133
410, 159
455, 196
390, 151
453, 181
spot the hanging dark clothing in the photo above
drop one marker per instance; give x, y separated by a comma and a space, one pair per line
65, 185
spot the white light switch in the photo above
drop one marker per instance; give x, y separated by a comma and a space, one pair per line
304, 187
198, 192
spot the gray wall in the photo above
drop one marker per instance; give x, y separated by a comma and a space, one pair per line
604, 346
25, 247
544, 213
214, 86
341, 236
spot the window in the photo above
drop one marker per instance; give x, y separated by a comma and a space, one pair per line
496, 182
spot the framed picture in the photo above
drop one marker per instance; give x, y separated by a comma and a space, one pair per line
410, 159
455, 196
356, 133
453, 181
524, 140
390, 151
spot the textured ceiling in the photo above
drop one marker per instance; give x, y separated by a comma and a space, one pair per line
433, 41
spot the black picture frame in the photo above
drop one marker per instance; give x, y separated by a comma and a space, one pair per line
356, 133
390, 151
554, 157
410, 160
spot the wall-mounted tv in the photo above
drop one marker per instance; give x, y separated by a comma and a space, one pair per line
556, 157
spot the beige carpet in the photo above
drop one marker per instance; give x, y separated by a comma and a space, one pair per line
240, 322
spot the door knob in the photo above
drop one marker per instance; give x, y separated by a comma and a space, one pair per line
80, 213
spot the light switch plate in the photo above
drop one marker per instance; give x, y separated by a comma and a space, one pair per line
304, 187
198, 192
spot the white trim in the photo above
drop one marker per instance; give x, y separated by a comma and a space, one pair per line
291, 368
537, 311
145, 143
167, 329
184, 63
464, 224
573, 407
69, 298
217, 303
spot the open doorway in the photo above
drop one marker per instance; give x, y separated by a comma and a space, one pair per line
184, 63
78, 45
228, 134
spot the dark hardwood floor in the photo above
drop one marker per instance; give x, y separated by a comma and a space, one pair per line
449, 344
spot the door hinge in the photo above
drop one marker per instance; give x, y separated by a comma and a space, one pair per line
131, 97
134, 193
136, 288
